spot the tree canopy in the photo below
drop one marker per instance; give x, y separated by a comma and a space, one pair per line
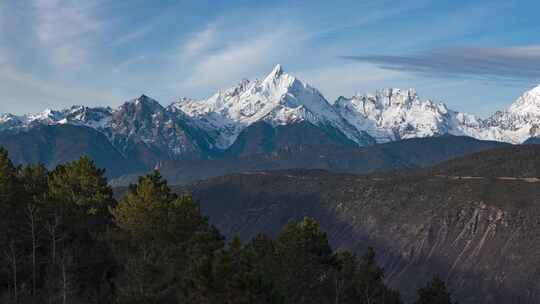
66, 239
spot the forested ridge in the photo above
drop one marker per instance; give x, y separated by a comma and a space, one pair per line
65, 239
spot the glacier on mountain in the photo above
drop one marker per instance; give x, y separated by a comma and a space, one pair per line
395, 114
281, 99
278, 99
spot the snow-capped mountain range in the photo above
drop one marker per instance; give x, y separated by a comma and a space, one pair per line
190, 126
279, 99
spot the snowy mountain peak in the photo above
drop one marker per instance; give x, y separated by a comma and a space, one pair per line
534, 91
528, 104
8, 121
393, 114
184, 99
279, 99
7, 117
282, 99
278, 80
396, 97
276, 73
146, 101
240, 88
519, 122
47, 116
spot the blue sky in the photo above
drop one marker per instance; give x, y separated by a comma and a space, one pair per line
476, 56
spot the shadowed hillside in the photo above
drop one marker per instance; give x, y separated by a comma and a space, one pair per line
411, 153
510, 162
59, 144
480, 234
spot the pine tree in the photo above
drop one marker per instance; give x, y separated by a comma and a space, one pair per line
369, 281
10, 209
77, 207
434, 292
33, 183
8, 174
305, 259
11, 236
80, 189
164, 237
143, 210
345, 269
255, 268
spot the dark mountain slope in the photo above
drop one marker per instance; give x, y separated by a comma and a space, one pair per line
532, 141
522, 161
411, 153
54, 145
422, 152
482, 235
263, 138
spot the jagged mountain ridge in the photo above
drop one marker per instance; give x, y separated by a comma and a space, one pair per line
387, 115
279, 99
139, 122
519, 122
394, 114
195, 129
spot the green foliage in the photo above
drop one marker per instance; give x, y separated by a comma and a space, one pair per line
76, 218
345, 272
165, 238
142, 211
81, 187
369, 281
305, 260
34, 179
434, 292
65, 240
233, 276
360, 280
8, 175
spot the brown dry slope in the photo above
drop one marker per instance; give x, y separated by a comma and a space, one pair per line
481, 234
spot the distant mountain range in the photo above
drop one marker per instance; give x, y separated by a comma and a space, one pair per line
277, 113
408, 153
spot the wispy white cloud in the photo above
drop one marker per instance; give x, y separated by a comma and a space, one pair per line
66, 30
133, 35
59, 52
217, 60
45, 93
129, 62
200, 43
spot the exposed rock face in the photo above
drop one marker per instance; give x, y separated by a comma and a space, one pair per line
144, 123
478, 232
136, 123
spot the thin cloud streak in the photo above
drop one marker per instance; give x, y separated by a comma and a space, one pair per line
513, 64
218, 60
66, 30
